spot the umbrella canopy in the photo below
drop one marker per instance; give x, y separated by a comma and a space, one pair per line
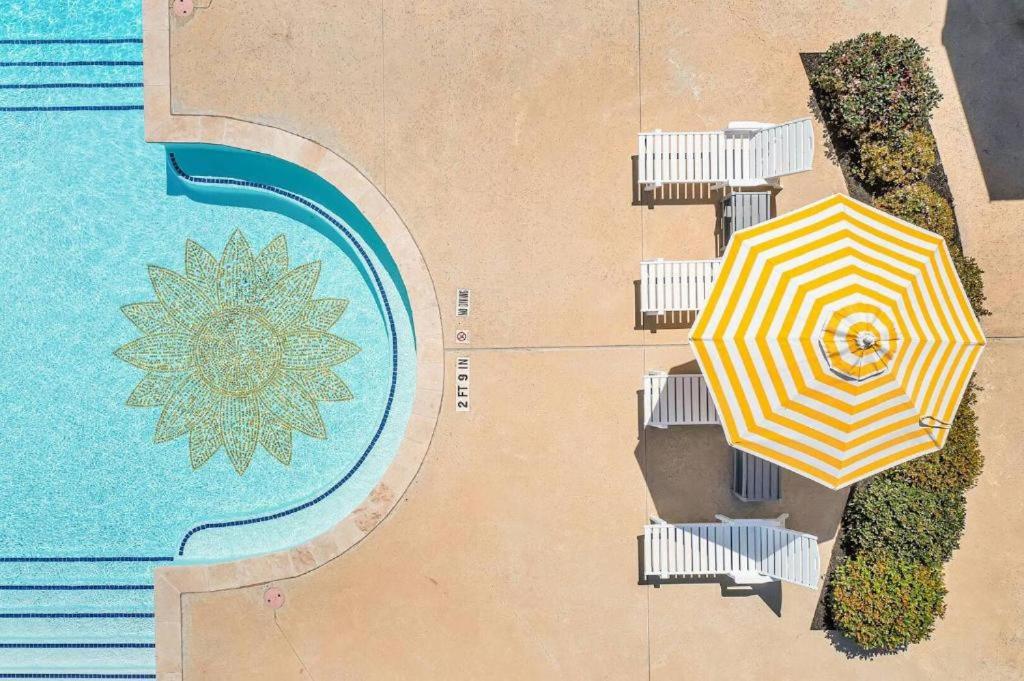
837, 341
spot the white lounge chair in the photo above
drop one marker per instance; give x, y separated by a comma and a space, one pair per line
746, 154
748, 551
676, 285
677, 400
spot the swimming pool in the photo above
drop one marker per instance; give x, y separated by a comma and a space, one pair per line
208, 353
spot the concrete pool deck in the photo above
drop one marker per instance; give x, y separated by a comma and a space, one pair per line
501, 135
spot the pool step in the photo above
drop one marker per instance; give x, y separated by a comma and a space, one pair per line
81, 626
69, 631
70, 75
90, 615
129, 597
100, 570
127, 49
91, 657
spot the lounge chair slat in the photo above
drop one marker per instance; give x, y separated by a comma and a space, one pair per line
659, 158
792, 567
680, 549
710, 551
686, 550
647, 550
671, 544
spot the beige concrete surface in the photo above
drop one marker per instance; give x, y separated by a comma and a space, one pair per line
330, 97
505, 543
502, 132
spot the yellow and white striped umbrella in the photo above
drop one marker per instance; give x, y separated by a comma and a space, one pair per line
837, 341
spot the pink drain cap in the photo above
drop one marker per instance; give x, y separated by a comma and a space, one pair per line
273, 598
183, 8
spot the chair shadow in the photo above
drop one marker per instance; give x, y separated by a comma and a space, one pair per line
721, 234
672, 194
688, 472
770, 593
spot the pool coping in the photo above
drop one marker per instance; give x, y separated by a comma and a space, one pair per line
163, 126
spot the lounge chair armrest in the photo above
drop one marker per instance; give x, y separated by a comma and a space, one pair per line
748, 578
747, 125
767, 522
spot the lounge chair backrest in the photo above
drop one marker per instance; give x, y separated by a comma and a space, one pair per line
784, 149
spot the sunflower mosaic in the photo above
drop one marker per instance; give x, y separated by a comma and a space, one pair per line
237, 352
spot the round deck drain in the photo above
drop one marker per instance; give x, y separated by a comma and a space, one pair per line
182, 8
273, 598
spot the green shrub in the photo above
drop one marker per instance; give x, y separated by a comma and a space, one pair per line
908, 158
875, 86
884, 603
909, 522
877, 93
920, 204
969, 272
956, 466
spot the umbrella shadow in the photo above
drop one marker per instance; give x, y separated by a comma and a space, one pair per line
689, 471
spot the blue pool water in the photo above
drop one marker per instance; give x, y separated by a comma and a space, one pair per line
90, 502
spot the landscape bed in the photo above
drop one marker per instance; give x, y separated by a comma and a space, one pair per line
874, 95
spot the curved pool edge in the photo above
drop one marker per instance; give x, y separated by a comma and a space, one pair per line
164, 127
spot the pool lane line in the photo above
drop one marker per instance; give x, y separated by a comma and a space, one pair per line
76, 587
75, 615
86, 559
70, 41
101, 62
97, 646
73, 675
345, 232
61, 86
114, 107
